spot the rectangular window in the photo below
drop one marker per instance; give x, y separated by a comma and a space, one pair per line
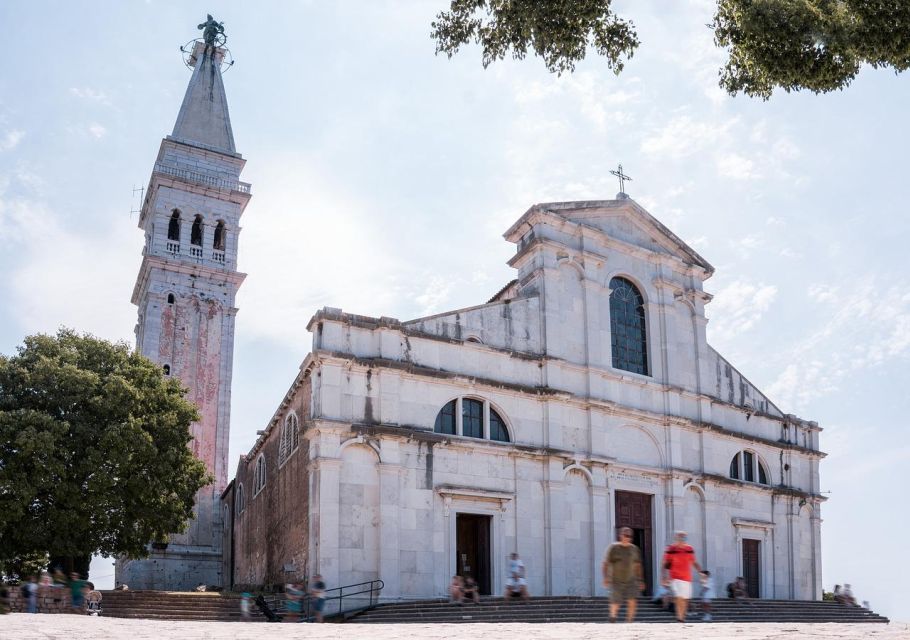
748, 467
472, 418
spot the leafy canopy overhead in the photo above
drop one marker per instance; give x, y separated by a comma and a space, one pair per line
818, 45
559, 31
93, 450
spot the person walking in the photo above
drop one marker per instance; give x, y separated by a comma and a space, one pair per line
623, 575
707, 594
317, 593
30, 591
245, 598
77, 590
293, 601
678, 561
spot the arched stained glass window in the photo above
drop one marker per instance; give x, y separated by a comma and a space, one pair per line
628, 335
498, 428
471, 418
445, 421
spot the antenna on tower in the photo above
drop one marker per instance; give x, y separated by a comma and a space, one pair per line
141, 192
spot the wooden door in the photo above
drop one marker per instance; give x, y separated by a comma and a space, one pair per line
472, 549
751, 566
633, 510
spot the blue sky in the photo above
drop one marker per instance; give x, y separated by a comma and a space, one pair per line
383, 178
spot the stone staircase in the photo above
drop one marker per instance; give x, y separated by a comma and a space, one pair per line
569, 609
174, 605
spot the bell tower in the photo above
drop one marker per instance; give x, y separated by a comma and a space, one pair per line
185, 292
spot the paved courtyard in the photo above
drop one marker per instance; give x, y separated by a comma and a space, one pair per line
19, 626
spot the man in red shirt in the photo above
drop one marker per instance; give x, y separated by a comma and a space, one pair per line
679, 559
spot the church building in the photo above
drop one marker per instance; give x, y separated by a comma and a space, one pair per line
581, 398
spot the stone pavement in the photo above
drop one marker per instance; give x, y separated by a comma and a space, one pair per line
20, 626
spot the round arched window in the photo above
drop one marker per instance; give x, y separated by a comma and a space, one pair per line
472, 418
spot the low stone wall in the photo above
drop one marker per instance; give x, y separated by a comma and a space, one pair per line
50, 600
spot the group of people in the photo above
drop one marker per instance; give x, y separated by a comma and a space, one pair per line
79, 592
296, 594
624, 578
465, 589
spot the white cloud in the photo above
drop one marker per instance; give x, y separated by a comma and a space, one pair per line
11, 139
684, 136
96, 130
738, 307
67, 276
88, 93
736, 166
823, 292
867, 327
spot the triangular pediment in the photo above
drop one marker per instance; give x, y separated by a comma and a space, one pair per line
628, 222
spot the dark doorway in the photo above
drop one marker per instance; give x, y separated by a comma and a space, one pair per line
472, 549
633, 510
751, 564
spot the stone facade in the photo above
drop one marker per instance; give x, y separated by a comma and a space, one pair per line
375, 491
185, 292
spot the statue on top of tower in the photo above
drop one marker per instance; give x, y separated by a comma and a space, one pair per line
213, 31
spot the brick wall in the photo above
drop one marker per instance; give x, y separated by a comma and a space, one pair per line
270, 536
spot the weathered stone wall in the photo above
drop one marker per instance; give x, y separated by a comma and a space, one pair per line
50, 600
270, 534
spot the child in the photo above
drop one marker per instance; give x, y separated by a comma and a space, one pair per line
245, 605
707, 594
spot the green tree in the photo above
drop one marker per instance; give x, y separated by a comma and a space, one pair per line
93, 451
817, 45
559, 31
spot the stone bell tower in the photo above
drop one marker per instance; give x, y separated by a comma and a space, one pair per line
185, 292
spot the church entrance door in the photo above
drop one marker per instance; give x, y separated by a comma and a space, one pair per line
472, 549
633, 510
751, 564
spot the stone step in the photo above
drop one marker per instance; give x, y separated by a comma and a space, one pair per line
592, 609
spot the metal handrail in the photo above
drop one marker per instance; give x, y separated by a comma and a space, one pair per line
371, 586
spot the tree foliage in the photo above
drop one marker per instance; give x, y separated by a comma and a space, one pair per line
93, 450
559, 31
817, 45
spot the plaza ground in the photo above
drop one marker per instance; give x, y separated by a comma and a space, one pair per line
20, 626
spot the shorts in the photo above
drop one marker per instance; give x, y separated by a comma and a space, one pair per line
681, 589
318, 604
77, 600
623, 591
